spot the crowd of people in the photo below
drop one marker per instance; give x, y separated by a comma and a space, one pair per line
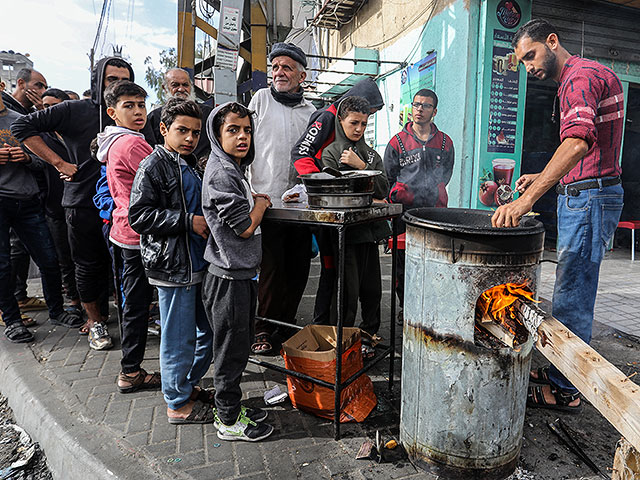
171, 203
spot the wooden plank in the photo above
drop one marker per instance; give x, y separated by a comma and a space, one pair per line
499, 332
615, 396
626, 463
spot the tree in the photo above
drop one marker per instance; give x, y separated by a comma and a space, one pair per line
155, 77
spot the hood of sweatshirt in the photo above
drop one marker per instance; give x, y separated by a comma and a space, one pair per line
216, 148
368, 89
106, 138
97, 87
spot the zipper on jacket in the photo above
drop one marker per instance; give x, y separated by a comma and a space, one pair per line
184, 205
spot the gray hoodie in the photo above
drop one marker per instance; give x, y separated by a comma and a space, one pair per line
226, 203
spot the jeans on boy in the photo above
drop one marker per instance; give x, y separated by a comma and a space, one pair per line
138, 295
26, 217
231, 307
585, 225
185, 343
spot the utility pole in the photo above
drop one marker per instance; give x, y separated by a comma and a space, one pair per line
186, 36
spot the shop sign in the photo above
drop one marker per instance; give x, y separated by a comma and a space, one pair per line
509, 13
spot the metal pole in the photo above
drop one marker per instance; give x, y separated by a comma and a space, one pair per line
258, 47
340, 302
394, 279
186, 36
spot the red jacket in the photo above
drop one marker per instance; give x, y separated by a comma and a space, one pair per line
418, 171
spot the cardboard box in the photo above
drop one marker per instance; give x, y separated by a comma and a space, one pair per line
312, 351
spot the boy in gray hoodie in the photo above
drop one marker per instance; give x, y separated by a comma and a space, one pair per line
233, 214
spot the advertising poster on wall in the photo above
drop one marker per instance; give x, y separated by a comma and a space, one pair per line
421, 74
501, 97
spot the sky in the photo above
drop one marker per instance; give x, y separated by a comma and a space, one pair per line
58, 35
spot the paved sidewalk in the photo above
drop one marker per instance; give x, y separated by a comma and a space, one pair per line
64, 394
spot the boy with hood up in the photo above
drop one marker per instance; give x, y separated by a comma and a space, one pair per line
78, 123
349, 151
234, 252
307, 151
122, 147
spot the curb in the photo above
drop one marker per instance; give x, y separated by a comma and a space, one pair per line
76, 447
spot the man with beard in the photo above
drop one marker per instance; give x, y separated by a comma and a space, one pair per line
589, 193
281, 116
177, 84
419, 162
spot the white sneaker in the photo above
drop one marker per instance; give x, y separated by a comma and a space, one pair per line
99, 338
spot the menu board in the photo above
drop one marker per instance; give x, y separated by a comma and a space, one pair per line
503, 96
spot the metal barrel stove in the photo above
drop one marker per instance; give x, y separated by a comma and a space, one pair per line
463, 404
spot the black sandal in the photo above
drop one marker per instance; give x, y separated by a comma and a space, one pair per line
535, 399
200, 413
18, 333
542, 376
262, 339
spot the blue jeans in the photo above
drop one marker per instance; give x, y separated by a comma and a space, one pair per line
586, 223
185, 343
26, 217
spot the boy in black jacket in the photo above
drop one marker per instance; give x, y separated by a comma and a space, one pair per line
165, 210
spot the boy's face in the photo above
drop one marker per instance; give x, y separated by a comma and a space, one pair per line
354, 125
183, 134
130, 112
235, 136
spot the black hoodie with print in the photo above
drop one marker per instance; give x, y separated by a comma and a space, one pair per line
78, 122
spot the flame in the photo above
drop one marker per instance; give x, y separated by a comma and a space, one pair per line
497, 303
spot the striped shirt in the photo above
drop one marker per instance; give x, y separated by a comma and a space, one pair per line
592, 108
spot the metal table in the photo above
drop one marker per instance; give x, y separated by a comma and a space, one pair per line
341, 220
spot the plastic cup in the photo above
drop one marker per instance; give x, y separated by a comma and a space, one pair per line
503, 170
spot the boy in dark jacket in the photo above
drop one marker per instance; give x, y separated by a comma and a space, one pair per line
165, 209
234, 252
349, 151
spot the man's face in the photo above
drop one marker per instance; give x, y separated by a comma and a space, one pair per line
182, 135
113, 74
178, 84
37, 84
235, 136
50, 101
130, 112
539, 59
423, 110
286, 76
354, 125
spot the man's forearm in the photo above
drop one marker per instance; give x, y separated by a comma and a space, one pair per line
567, 155
39, 148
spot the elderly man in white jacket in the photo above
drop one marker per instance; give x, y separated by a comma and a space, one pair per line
281, 117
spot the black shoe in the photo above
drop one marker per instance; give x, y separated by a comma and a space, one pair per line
18, 333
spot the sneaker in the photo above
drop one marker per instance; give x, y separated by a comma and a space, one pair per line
30, 304
99, 338
153, 328
67, 319
244, 429
256, 415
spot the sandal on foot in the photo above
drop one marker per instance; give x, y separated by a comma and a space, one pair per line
262, 340
138, 382
200, 413
27, 321
18, 333
84, 329
204, 395
535, 399
542, 376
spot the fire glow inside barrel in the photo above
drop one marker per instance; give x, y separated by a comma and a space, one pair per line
463, 402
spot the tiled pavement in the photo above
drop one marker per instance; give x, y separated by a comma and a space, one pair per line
302, 446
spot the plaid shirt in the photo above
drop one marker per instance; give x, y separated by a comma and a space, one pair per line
592, 108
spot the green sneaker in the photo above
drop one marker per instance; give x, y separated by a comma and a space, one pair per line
244, 429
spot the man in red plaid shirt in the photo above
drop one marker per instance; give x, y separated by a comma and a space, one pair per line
586, 165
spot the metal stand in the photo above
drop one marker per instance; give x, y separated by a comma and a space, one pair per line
341, 220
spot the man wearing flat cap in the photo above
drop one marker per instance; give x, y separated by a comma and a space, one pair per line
281, 116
